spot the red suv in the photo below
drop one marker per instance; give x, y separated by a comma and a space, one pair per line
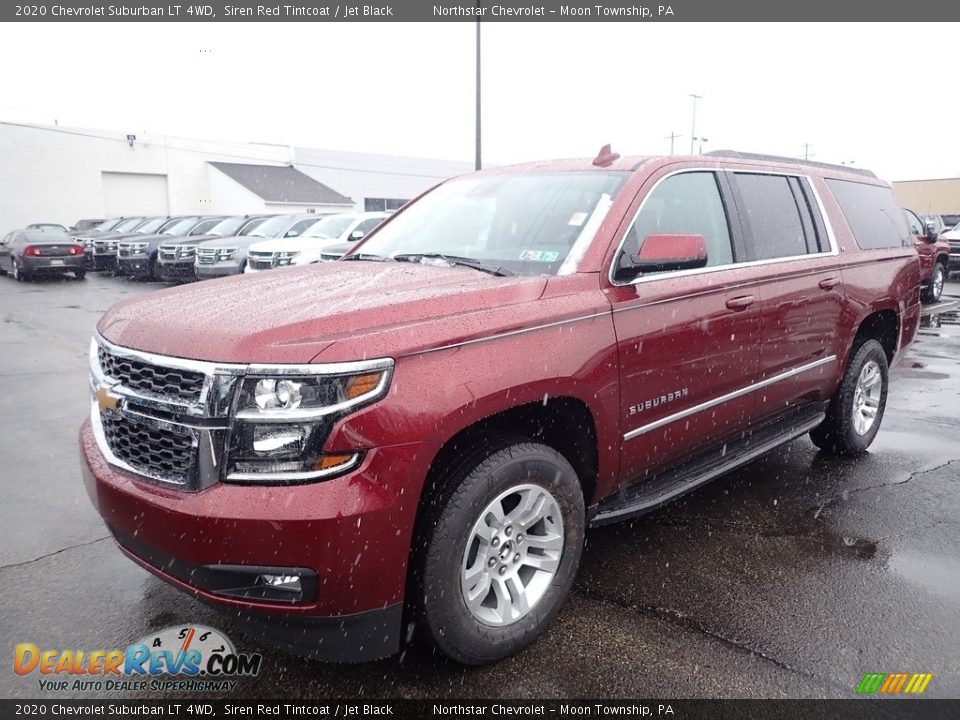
419, 435
934, 257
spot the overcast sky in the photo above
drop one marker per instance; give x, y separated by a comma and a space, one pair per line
881, 96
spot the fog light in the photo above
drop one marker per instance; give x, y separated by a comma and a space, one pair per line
281, 582
282, 440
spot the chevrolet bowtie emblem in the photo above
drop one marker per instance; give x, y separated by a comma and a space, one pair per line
105, 400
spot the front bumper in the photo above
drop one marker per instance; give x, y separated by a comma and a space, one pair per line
353, 532
104, 262
176, 271
137, 267
954, 261
216, 270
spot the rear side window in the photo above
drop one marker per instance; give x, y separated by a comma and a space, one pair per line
771, 210
872, 213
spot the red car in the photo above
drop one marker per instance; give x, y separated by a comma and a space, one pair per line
419, 435
934, 257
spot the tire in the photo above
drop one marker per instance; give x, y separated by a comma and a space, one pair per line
932, 292
847, 431
17, 274
80, 274
538, 493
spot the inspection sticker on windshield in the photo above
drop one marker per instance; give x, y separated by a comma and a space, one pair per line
540, 255
577, 219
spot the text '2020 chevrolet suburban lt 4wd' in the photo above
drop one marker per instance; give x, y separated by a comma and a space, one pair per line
417, 437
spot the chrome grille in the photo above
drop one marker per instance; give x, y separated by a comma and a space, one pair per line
165, 454
206, 256
126, 249
105, 247
153, 379
260, 260
168, 252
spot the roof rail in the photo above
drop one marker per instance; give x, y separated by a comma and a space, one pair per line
793, 161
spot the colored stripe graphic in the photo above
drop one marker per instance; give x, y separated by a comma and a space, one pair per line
894, 683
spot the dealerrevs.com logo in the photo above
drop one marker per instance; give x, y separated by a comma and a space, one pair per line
189, 658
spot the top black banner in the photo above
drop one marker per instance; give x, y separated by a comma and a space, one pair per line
505, 11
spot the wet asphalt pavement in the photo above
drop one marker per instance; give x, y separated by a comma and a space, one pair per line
790, 578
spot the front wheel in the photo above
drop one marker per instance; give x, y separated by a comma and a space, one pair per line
934, 290
855, 412
502, 553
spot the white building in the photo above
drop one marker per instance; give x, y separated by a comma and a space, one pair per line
57, 174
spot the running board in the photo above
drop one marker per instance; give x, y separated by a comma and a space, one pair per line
670, 484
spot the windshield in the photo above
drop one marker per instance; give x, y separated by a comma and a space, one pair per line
151, 226
270, 227
526, 224
227, 226
180, 227
331, 227
128, 224
252, 225
109, 224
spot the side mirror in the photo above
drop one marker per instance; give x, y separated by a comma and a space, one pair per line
930, 231
292, 233
356, 235
664, 252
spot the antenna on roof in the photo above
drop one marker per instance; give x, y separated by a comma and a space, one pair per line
606, 157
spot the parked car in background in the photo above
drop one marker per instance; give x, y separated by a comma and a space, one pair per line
28, 253
942, 222
46, 226
101, 254
87, 224
952, 238
419, 435
934, 254
308, 248
137, 255
228, 255
175, 258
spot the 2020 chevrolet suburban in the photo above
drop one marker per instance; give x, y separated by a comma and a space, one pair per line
420, 434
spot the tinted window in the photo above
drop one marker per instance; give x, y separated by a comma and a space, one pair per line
368, 225
771, 213
685, 204
299, 227
872, 214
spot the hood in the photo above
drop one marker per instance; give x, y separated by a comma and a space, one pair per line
184, 239
302, 242
237, 241
291, 315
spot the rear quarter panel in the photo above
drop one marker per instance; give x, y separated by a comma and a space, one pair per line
874, 280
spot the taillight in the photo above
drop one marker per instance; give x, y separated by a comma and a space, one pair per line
31, 251
76, 250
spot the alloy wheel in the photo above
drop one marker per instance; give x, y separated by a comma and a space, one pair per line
866, 397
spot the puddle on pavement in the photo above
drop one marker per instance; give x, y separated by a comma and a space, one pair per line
940, 575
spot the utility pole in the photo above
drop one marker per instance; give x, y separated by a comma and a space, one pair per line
806, 151
671, 137
693, 125
477, 155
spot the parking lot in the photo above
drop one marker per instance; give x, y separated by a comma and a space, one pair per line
789, 578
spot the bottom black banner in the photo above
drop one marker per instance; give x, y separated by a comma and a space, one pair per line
907, 709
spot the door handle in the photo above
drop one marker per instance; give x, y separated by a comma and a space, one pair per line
740, 303
828, 283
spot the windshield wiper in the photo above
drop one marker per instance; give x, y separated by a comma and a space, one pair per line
455, 260
365, 256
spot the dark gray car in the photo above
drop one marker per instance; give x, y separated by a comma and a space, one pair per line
137, 255
28, 253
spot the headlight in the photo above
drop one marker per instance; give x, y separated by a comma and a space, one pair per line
285, 258
283, 421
